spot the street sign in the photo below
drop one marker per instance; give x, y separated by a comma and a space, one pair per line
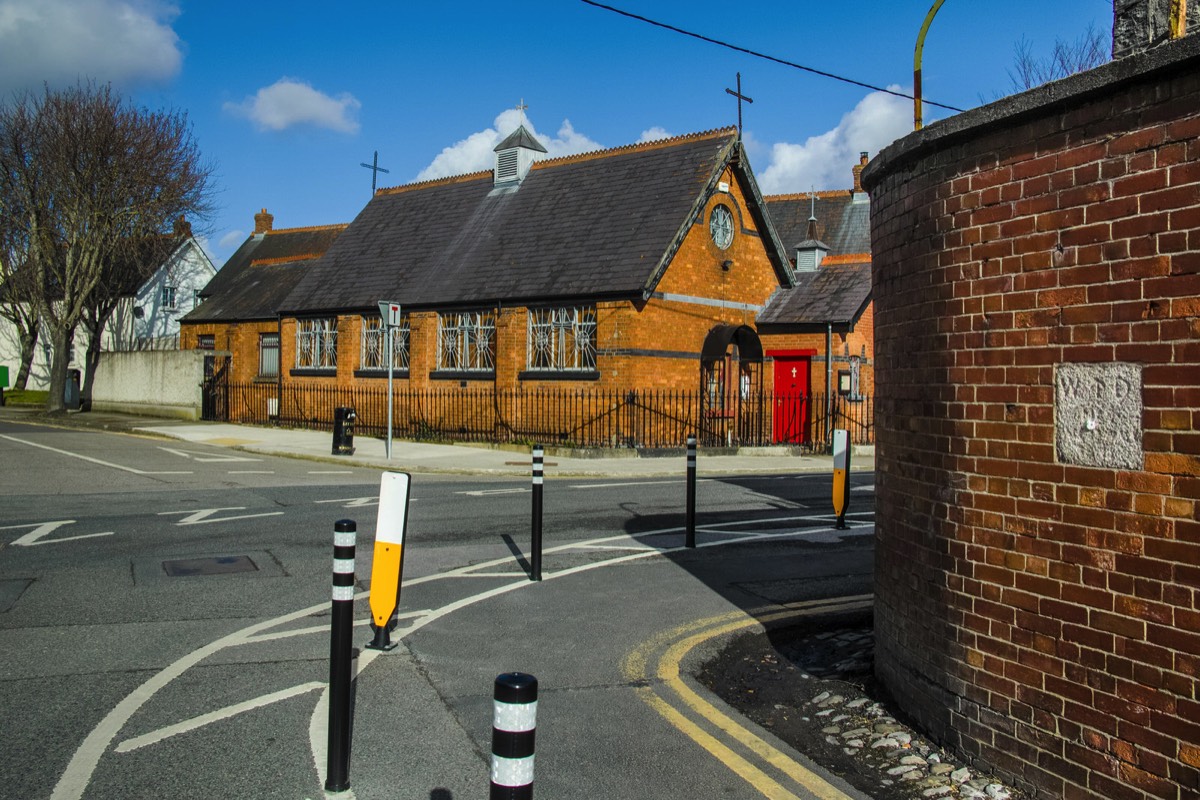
390, 313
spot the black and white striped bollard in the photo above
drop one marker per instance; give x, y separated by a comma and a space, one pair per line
535, 543
691, 491
337, 773
514, 724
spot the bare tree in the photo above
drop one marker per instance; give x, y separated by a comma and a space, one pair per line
92, 178
1088, 50
16, 294
123, 276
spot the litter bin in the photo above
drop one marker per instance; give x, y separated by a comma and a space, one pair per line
343, 431
71, 390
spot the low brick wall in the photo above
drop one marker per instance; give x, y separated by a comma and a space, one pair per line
1037, 301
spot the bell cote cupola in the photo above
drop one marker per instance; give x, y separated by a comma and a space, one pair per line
811, 252
515, 155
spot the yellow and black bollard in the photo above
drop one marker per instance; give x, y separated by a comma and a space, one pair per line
841, 475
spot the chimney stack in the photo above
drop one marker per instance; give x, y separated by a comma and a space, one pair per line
858, 171
263, 222
1139, 25
183, 228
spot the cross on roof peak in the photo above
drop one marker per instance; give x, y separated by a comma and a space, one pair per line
740, 97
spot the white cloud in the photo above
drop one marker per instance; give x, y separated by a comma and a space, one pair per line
654, 134
231, 240
289, 102
825, 161
61, 42
475, 153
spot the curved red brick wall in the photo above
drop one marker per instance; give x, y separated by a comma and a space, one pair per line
1036, 599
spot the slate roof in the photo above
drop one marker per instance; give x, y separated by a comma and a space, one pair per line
843, 224
588, 227
264, 270
839, 290
835, 293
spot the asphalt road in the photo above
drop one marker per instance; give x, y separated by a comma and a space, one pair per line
164, 613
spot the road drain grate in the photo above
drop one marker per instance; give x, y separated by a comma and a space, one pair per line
220, 565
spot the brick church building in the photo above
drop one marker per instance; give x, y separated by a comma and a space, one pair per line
649, 268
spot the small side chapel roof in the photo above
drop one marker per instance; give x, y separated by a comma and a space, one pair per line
256, 278
580, 228
836, 293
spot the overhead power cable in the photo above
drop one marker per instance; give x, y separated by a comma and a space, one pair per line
756, 54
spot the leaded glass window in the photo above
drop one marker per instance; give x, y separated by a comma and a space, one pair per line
316, 343
562, 339
374, 342
467, 341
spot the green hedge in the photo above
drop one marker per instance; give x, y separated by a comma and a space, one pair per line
25, 397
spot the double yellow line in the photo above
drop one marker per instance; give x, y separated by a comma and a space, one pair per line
656, 663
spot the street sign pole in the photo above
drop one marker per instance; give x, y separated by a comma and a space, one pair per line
391, 320
388, 344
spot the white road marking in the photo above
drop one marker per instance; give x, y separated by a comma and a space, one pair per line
91, 460
490, 492
206, 458
866, 487
250, 472
354, 502
615, 547
634, 483
204, 515
41, 529
359, 623
153, 737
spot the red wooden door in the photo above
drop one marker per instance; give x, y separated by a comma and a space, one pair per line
792, 398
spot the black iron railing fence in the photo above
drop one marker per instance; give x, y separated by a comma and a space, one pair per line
569, 417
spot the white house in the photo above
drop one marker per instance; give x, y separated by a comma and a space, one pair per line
147, 318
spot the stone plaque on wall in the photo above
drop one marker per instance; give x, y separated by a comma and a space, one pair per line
1098, 415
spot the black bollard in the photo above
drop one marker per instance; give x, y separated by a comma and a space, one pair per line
513, 728
535, 544
337, 776
691, 491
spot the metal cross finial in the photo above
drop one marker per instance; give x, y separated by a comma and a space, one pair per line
740, 97
375, 170
521, 107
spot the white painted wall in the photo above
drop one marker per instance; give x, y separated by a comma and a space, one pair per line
158, 383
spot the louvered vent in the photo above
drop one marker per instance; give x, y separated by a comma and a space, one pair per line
507, 166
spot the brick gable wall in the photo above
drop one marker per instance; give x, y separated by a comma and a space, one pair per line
1040, 615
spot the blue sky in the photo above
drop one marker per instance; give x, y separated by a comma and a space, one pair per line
287, 99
